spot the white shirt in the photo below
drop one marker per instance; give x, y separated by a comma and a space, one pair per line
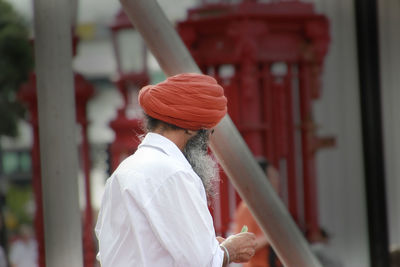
154, 212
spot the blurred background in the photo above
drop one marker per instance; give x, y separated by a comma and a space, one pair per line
291, 73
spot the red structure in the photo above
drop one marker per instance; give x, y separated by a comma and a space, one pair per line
269, 58
126, 141
83, 92
27, 94
132, 75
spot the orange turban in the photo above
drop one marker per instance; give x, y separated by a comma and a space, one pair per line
189, 100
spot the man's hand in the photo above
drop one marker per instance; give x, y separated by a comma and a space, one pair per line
220, 239
241, 247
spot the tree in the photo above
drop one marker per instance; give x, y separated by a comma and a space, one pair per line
16, 60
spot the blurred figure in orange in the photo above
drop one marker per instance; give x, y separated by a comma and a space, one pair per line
265, 256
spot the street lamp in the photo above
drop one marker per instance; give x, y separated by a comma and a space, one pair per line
132, 74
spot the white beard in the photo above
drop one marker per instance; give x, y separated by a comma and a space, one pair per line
202, 163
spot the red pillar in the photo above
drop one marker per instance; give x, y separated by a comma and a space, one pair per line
307, 139
27, 94
83, 92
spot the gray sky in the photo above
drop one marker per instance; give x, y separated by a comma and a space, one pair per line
97, 57
102, 11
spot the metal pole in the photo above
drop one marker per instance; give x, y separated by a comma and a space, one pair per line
58, 133
74, 13
368, 64
227, 144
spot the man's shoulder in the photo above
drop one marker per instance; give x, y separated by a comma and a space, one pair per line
147, 167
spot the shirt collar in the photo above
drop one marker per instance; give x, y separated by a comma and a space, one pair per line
165, 145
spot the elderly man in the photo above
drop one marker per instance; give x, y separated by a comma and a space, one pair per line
154, 210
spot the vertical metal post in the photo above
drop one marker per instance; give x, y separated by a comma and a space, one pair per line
227, 144
368, 64
58, 133
74, 12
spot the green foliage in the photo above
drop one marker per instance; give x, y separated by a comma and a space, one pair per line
16, 61
18, 199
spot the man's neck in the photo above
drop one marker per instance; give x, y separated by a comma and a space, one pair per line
179, 137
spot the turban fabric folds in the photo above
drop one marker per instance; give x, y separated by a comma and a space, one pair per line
188, 100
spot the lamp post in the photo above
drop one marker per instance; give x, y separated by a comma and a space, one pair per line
132, 74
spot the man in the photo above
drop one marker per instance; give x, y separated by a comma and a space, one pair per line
154, 210
23, 251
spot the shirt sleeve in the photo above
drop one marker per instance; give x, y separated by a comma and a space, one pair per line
180, 219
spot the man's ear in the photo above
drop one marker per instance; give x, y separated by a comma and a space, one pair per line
190, 132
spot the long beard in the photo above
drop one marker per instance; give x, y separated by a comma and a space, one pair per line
202, 163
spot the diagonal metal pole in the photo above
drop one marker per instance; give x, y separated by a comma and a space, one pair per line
227, 144
57, 132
